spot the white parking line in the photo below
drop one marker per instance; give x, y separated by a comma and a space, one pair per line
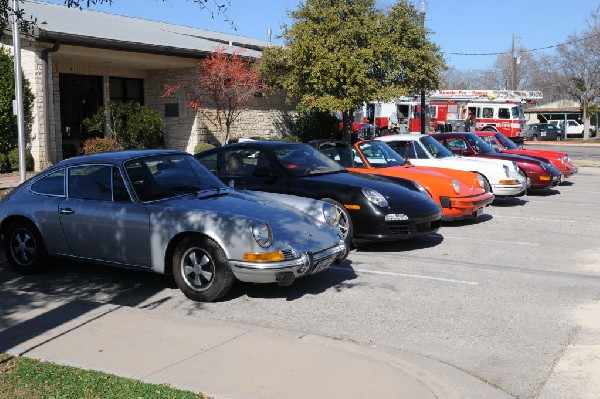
419, 276
496, 241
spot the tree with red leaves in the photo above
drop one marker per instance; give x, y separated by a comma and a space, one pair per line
225, 83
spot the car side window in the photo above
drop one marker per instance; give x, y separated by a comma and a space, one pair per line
209, 160
52, 184
492, 142
488, 113
456, 144
503, 113
403, 148
120, 193
90, 182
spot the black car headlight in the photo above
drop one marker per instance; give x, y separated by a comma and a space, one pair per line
331, 214
375, 197
262, 234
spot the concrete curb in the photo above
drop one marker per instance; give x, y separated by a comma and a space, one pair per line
222, 359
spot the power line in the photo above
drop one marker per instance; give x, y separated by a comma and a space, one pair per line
528, 50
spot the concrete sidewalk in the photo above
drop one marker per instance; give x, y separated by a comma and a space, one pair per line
219, 359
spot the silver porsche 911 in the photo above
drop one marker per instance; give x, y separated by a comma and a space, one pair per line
163, 211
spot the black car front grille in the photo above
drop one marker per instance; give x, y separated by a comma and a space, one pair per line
289, 254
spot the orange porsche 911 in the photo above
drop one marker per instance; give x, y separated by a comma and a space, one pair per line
460, 194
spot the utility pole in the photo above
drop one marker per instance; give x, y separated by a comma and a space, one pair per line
18, 102
513, 66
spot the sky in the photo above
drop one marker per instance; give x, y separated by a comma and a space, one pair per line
457, 26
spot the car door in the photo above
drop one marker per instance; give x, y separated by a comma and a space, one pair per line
251, 168
99, 219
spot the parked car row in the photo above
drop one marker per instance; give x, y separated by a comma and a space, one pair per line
257, 211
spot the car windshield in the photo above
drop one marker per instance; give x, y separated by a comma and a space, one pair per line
380, 155
480, 146
517, 112
164, 176
506, 142
435, 148
303, 160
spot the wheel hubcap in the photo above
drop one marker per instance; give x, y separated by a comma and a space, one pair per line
23, 247
197, 269
344, 223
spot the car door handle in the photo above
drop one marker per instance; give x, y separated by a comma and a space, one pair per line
66, 211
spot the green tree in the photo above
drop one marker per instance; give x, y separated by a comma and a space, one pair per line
8, 121
339, 54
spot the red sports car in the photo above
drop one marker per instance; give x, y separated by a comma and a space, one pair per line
501, 143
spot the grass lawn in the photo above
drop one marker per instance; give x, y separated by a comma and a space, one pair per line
23, 378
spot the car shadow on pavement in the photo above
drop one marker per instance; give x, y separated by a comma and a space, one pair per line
566, 183
547, 192
420, 242
467, 222
505, 202
338, 277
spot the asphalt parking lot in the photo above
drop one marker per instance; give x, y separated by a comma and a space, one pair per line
512, 299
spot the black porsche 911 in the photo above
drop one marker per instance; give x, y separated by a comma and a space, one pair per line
371, 208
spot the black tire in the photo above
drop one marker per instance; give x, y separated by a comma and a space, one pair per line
558, 137
345, 221
24, 248
200, 269
535, 137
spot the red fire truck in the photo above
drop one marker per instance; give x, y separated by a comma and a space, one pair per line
407, 112
499, 110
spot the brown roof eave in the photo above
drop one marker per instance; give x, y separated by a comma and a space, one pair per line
120, 46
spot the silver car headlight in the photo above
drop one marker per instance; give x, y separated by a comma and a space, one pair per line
567, 159
331, 214
262, 234
506, 170
456, 186
375, 197
480, 180
561, 160
515, 166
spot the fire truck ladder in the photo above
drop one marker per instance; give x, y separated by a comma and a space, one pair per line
486, 95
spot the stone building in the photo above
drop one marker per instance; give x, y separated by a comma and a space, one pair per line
78, 60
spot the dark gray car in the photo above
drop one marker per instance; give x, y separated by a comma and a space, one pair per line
162, 211
542, 131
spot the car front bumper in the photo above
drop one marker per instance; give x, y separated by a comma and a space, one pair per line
461, 207
270, 272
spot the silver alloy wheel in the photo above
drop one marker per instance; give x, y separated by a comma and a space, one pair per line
23, 246
197, 269
344, 222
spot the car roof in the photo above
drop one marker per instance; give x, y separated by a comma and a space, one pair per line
401, 136
115, 157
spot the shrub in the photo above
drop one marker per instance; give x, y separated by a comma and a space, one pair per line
13, 160
133, 126
4, 165
202, 147
98, 144
313, 124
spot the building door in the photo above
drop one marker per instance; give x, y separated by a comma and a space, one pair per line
80, 97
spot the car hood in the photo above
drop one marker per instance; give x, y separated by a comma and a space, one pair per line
236, 212
435, 181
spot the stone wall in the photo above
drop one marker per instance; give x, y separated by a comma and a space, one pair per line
265, 116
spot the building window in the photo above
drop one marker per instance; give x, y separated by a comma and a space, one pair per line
127, 90
171, 110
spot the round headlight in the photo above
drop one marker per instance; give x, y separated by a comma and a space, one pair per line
480, 180
262, 234
375, 197
561, 160
515, 166
506, 170
456, 186
331, 214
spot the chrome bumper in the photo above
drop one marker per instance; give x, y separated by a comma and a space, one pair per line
270, 272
